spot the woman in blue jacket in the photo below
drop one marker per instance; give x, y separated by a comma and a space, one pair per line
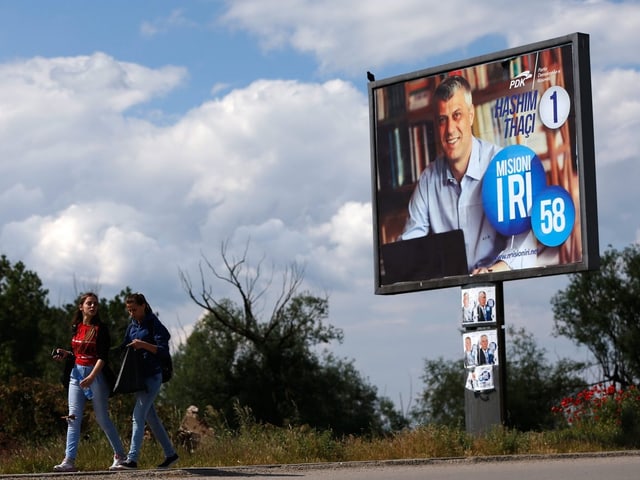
150, 339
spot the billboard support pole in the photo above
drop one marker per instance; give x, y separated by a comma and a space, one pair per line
502, 356
485, 410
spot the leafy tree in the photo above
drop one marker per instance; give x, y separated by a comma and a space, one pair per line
24, 310
392, 419
442, 400
601, 310
272, 365
533, 386
204, 365
56, 332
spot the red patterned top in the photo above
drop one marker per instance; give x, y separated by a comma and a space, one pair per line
85, 345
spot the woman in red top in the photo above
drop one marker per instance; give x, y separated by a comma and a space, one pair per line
87, 381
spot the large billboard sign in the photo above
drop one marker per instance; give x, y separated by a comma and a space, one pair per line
483, 170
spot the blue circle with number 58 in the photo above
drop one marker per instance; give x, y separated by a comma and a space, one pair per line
552, 216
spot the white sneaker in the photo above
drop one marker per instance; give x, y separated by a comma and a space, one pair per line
117, 461
65, 466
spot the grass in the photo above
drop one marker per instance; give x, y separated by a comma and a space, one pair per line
265, 445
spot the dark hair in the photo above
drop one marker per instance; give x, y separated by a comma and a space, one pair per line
77, 317
138, 299
450, 85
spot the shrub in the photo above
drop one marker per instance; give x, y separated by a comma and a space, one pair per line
604, 414
30, 410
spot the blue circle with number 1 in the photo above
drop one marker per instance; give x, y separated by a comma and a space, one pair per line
552, 216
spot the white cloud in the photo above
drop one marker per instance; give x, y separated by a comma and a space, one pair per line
92, 242
176, 19
379, 33
62, 124
342, 248
616, 113
95, 82
128, 202
18, 201
609, 46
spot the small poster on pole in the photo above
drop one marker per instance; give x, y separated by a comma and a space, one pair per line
480, 354
478, 305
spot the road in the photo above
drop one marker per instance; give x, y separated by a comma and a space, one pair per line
609, 466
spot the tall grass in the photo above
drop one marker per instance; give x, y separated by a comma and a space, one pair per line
265, 445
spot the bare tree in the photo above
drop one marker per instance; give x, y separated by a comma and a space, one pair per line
281, 327
270, 362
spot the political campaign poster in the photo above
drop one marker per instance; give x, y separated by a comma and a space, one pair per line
480, 354
483, 170
478, 305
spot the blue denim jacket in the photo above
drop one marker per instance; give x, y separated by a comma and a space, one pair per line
153, 331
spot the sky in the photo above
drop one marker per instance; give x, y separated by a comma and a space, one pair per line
137, 137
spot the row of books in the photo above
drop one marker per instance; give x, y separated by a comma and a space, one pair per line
403, 153
399, 98
390, 101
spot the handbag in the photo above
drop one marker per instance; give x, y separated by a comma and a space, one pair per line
130, 378
66, 371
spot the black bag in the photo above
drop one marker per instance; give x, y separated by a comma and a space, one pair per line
66, 371
130, 379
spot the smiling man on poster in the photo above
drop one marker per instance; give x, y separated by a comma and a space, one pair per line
448, 194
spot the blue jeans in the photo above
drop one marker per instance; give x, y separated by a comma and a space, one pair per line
100, 400
144, 411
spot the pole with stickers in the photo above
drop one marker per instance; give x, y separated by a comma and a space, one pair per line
483, 343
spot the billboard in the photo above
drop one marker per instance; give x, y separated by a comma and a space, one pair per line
483, 170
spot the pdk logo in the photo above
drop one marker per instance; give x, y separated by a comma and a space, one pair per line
519, 80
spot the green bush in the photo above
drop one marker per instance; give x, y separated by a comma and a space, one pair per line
30, 410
